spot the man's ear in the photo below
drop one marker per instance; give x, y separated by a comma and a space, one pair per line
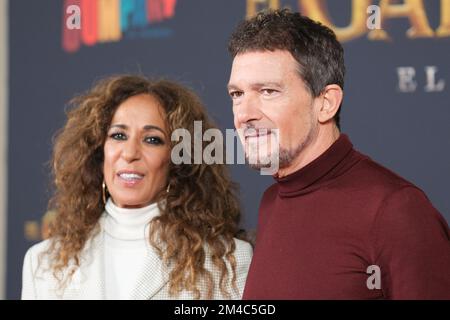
331, 101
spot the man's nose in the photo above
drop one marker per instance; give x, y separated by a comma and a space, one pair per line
248, 110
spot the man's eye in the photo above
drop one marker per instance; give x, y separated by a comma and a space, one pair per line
118, 136
154, 140
235, 94
268, 92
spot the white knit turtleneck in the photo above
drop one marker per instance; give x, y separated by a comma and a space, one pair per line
126, 245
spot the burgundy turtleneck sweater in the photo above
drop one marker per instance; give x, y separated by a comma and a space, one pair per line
320, 228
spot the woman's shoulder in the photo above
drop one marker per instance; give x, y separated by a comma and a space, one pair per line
38, 248
35, 256
244, 249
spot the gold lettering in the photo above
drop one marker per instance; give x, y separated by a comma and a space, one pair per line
444, 28
413, 9
46, 222
31, 230
254, 6
317, 10
109, 20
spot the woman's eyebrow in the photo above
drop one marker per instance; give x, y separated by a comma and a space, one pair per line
147, 127
120, 126
152, 127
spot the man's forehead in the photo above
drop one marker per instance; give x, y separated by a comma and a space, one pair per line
277, 57
262, 68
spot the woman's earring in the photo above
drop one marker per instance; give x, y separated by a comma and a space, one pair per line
168, 188
104, 192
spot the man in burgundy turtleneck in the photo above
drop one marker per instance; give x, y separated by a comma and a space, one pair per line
335, 225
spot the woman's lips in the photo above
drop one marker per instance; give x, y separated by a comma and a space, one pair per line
130, 179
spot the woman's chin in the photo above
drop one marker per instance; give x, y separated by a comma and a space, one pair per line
131, 203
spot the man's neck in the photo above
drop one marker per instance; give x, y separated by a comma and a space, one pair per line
325, 137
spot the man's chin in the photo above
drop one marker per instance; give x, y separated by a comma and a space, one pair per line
257, 165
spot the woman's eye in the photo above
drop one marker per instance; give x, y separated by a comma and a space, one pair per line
118, 136
154, 140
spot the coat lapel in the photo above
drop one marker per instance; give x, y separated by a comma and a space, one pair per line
153, 278
89, 280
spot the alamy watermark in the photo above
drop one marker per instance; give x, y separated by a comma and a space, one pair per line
73, 21
374, 280
258, 147
374, 19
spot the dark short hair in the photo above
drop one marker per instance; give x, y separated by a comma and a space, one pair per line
313, 45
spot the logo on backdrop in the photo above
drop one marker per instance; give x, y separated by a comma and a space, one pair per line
90, 22
35, 230
365, 12
370, 18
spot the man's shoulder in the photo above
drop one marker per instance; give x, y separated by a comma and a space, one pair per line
270, 193
368, 174
364, 176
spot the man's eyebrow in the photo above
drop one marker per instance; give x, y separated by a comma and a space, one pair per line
231, 86
147, 127
256, 85
265, 84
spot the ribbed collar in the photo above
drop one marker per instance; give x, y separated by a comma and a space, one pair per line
319, 170
128, 224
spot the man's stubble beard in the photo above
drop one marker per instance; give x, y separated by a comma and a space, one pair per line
286, 156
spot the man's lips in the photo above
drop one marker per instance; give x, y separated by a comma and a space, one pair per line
256, 133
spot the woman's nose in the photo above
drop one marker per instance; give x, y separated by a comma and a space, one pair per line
131, 151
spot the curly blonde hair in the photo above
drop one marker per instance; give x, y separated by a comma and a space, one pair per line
201, 213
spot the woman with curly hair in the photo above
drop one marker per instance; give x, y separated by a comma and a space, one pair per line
130, 223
